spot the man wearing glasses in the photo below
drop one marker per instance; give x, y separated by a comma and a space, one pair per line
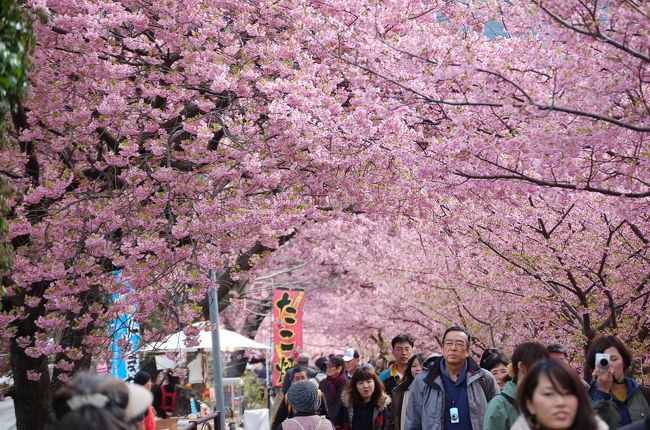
452, 392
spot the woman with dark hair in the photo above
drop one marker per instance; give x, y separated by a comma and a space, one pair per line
619, 400
552, 397
321, 365
497, 363
90, 401
365, 405
487, 353
400, 396
503, 410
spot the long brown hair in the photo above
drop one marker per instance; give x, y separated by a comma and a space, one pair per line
564, 379
365, 373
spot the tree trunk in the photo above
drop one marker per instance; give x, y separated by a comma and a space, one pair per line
225, 282
253, 322
32, 399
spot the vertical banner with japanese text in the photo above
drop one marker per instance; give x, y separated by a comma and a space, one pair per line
125, 362
287, 331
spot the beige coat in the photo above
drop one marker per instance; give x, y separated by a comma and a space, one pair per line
522, 424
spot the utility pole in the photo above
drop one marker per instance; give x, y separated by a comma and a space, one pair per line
216, 352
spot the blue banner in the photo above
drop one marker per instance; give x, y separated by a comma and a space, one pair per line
125, 363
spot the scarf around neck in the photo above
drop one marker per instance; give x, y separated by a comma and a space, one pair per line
333, 384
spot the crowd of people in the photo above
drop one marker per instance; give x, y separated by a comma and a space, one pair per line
533, 388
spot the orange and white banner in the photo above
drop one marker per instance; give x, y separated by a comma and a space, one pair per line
287, 331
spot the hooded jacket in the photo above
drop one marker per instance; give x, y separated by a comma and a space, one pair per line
501, 412
379, 414
425, 410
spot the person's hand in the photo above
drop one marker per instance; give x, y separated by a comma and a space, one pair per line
604, 378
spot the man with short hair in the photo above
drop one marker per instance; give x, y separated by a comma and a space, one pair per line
402, 345
332, 387
558, 352
351, 358
301, 361
452, 392
285, 410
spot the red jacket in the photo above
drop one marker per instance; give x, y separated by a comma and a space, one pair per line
150, 419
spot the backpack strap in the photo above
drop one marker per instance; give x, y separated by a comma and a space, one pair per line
483, 383
297, 423
482, 380
512, 401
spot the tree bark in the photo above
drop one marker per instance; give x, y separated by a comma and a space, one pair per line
226, 283
32, 399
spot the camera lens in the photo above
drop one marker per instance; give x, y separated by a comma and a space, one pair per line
604, 362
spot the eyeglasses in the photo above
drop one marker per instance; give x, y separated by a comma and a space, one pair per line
500, 371
458, 344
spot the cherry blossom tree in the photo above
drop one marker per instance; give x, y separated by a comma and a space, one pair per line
537, 272
158, 139
432, 174
545, 128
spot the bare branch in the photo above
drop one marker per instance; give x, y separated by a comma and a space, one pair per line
563, 109
598, 35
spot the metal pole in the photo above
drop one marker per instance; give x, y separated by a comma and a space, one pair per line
216, 353
269, 362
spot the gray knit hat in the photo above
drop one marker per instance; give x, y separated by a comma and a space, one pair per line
303, 397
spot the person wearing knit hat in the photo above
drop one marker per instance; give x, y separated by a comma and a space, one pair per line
286, 409
100, 402
301, 361
304, 399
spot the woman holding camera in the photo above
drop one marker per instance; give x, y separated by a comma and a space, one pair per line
619, 400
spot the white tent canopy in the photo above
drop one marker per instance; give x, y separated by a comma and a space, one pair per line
229, 341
